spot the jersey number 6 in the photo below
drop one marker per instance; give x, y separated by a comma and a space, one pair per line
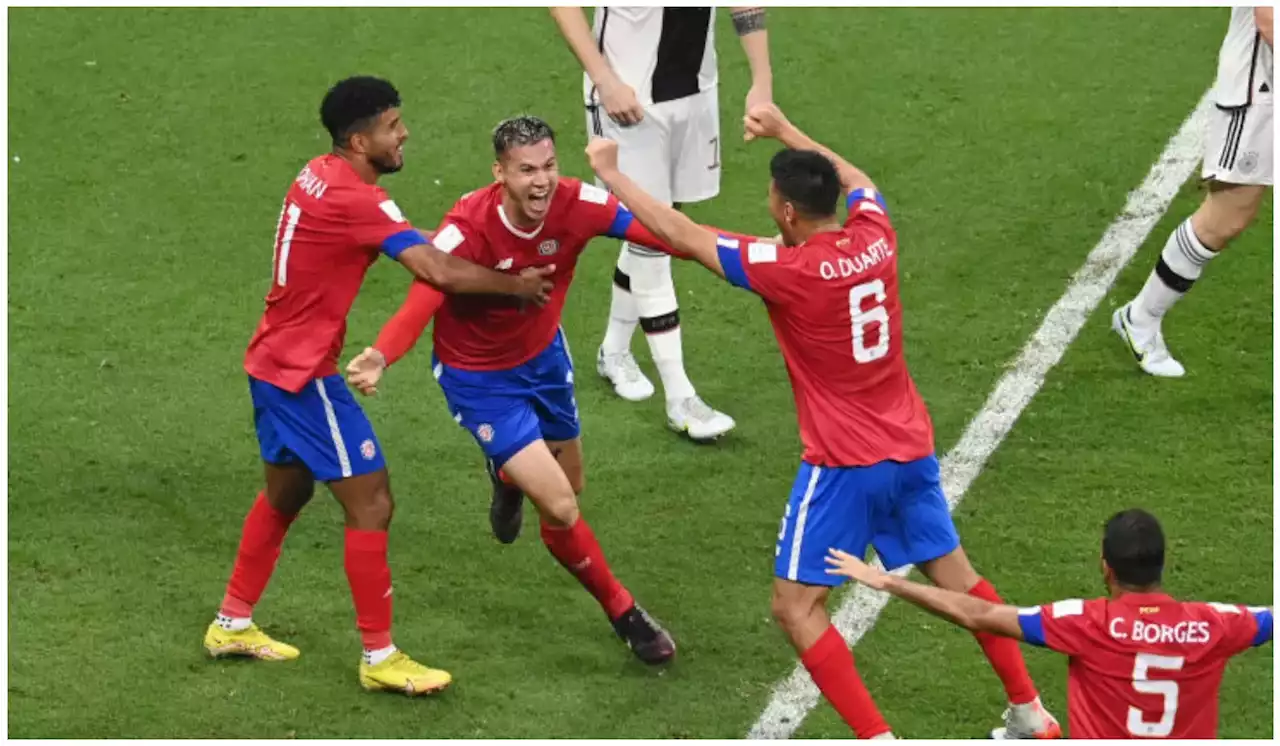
1142, 664
862, 320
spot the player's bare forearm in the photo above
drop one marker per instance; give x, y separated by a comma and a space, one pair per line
1264, 17
974, 614
454, 276
669, 225
749, 23
573, 25
851, 177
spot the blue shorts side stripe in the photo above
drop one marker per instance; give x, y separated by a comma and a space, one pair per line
344, 460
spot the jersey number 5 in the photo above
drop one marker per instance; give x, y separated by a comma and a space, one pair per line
283, 241
1142, 665
862, 321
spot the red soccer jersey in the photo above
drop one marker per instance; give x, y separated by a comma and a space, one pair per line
1144, 665
833, 302
331, 229
496, 333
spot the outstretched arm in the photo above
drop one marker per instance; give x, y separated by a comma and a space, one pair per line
668, 225
969, 612
769, 121
450, 274
398, 336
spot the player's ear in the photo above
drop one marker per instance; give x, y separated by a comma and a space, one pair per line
498, 174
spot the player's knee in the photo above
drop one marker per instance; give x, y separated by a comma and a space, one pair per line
1223, 216
373, 513
790, 611
560, 512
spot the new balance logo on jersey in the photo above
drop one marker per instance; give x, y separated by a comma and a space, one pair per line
505, 264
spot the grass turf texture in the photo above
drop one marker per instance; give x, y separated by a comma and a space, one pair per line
155, 148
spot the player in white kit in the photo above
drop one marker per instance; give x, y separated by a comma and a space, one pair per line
1237, 166
650, 83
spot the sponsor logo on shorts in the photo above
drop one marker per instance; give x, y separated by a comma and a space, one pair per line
485, 432
548, 247
368, 449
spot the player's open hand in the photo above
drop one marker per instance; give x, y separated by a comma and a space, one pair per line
536, 285
602, 155
764, 120
620, 102
365, 370
843, 563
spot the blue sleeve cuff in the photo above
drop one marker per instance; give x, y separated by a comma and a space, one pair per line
621, 221
731, 262
1265, 624
860, 194
1032, 626
395, 244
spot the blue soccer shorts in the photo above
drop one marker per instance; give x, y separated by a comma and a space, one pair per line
321, 427
896, 507
506, 410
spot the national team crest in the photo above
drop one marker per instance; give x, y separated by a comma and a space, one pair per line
548, 247
485, 432
1248, 162
368, 449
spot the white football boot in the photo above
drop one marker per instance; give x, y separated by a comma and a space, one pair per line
620, 370
694, 418
1030, 720
1147, 346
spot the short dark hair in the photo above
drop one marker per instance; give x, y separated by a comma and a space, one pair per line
1133, 547
808, 180
518, 131
351, 105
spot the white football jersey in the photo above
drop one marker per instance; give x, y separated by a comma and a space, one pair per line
663, 53
1245, 64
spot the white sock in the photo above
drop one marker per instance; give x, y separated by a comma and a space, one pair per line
233, 624
655, 295
1180, 265
623, 316
374, 657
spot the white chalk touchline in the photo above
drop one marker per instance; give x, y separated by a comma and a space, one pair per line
796, 695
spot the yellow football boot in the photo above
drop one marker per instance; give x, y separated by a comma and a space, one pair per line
250, 641
400, 673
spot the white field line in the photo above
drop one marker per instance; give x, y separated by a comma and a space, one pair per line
796, 695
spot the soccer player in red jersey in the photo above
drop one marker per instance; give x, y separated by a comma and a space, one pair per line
334, 223
1143, 664
505, 367
869, 475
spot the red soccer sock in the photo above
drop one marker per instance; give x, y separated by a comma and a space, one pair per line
365, 558
260, 542
830, 664
1004, 654
577, 549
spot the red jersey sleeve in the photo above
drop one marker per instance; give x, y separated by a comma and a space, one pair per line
402, 331
377, 221
1062, 626
767, 269
867, 207
599, 213
1244, 627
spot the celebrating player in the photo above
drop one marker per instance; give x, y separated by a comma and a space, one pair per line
505, 368
1237, 164
650, 82
334, 223
869, 474
1143, 665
